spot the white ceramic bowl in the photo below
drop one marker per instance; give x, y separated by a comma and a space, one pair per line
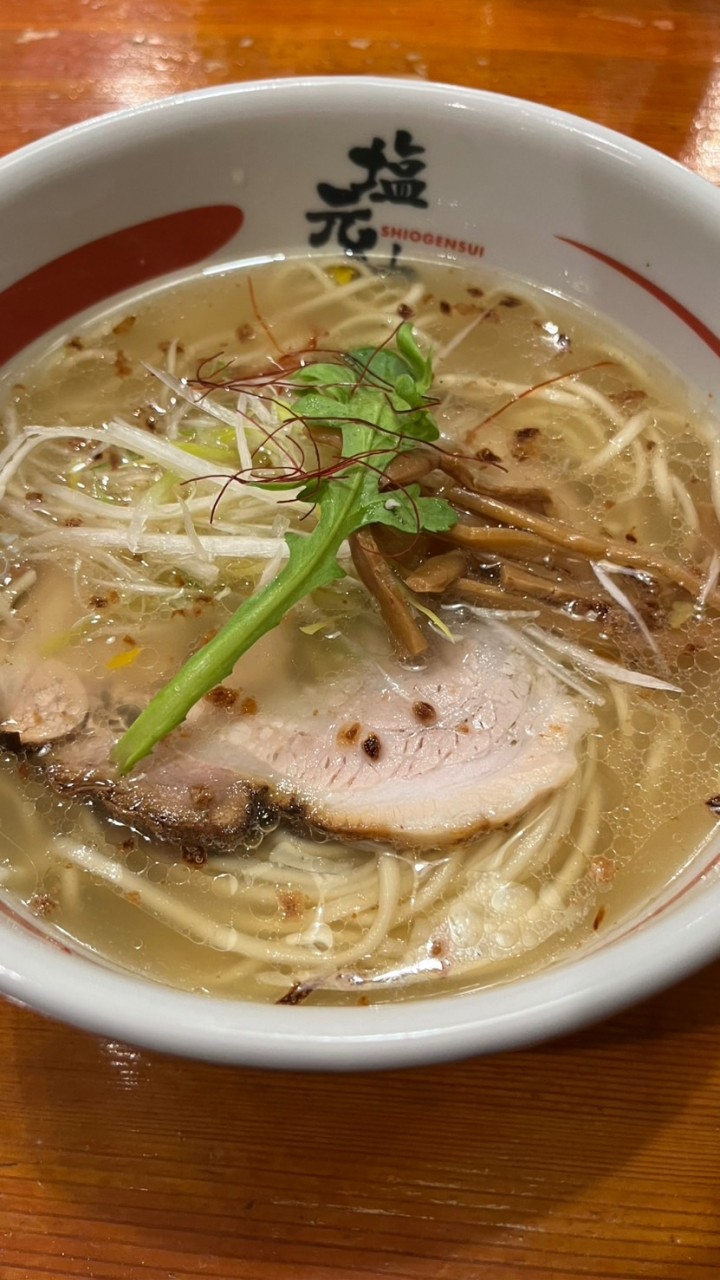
232, 173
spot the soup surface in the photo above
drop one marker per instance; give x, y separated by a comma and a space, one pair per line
559, 746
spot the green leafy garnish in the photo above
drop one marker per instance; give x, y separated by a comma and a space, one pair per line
377, 402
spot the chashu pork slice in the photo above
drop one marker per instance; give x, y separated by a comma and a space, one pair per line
417, 758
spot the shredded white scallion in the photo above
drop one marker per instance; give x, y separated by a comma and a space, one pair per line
217, 547
596, 665
525, 645
603, 571
711, 580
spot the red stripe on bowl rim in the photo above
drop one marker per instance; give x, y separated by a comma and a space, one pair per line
110, 265
688, 317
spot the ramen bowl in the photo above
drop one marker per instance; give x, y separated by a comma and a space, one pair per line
398, 171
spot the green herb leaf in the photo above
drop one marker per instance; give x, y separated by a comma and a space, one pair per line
377, 402
378, 368
420, 366
405, 509
323, 375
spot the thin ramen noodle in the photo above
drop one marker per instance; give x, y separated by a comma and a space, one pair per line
127, 544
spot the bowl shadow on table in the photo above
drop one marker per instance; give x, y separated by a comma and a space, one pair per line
451, 1163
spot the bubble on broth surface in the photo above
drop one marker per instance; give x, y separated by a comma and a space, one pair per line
307, 913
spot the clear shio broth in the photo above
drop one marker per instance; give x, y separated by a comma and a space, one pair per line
255, 923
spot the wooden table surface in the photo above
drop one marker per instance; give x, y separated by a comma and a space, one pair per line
596, 1156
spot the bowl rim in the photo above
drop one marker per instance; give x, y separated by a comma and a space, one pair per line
563, 997
349, 86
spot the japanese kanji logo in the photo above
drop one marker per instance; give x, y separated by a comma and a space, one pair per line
389, 176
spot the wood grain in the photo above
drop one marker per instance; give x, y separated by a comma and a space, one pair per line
597, 1156
594, 1157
